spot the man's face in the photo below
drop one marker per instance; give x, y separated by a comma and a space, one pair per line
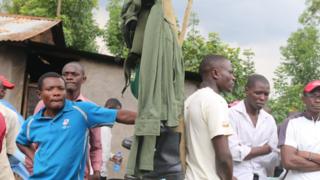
312, 101
73, 76
257, 95
225, 78
3, 91
53, 93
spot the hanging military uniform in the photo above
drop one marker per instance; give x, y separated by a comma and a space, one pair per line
155, 69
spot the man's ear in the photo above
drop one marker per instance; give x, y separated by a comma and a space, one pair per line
246, 89
84, 78
38, 93
215, 73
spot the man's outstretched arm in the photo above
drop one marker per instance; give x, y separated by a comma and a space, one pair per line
126, 116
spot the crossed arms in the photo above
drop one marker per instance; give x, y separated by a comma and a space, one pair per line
299, 160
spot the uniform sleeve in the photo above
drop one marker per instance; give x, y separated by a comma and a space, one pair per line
12, 131
23, 136
216, 115
97, 115
238, 150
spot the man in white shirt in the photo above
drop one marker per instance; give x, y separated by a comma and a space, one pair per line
300, 147
207, 125
106, 136
254, 143
9, 145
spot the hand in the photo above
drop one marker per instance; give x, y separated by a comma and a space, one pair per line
96, 175
266, 148
234, 178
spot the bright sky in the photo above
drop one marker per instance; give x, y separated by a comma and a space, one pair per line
260, 25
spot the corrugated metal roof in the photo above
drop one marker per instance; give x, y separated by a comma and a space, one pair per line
20, 28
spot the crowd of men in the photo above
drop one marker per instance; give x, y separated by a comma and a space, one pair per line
49, 137
242, 142
68, 137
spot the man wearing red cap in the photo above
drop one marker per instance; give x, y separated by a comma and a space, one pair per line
17, 158
5, 84
299, 138
9, 145
3, 87
2, 130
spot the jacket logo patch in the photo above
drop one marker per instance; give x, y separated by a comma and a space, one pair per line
65, 124
225, 124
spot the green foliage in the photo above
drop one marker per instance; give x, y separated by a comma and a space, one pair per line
300, 65
79, 27
112, 34
195, 47
311, 16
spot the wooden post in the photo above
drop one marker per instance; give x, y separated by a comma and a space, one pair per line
170, 16
185, 22
59, 8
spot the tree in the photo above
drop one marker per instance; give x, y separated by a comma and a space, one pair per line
301, 60
195, 47
300, 65
79, 27
311, 15
112, 34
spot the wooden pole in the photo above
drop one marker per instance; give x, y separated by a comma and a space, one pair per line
169, 14
185, 22
59, 8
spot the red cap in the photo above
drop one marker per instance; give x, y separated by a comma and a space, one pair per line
7, 84
311, 86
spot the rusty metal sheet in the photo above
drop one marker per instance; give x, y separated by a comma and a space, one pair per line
20, 28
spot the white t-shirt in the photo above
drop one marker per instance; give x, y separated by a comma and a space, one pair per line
246, 136
304, 135
106, 136
9, 142
206, 116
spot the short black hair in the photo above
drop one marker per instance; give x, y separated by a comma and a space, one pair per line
208, 62
253, 78
47, 75
112, 103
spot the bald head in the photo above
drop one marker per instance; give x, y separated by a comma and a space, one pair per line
216, 72
209, 62
75, 65
74, 75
